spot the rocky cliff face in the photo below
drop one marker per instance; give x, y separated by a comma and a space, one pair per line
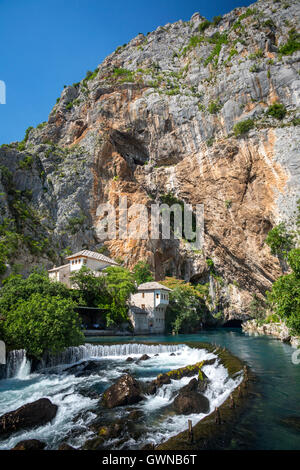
158, 117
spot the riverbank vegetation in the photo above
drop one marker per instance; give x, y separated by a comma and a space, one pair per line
284, 297
40, 316
187, 308
110, 292
283, 300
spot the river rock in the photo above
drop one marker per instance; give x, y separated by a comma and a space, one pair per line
85, 368
129, 359
278, 330
28, 416
126, 391
151, 387
148, 446
144, 357
135, 415
89, 392
96, 443
118, 430
191, 402
202, 382
66, 446
190, 387
188, 371
196, 385
30, 444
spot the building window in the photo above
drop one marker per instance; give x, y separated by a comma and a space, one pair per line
85, 261
143, 294
143, 306
157, 296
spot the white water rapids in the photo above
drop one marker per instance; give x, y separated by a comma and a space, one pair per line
77, 409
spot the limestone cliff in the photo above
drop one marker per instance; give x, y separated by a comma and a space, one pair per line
156, 117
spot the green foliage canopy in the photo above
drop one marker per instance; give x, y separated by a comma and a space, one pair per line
42, 323
279, 240
142, 272
186, 307
284, 297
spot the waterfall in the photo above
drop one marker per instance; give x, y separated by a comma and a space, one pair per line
89, 351
17, 365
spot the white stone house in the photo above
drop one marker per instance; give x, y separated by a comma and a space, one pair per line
96, 262
148, 307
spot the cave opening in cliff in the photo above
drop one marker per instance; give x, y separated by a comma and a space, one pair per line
233, 324
130, 148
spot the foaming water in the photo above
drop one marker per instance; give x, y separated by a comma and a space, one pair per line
23, 371
91, 351
77, 408
17, 364
277, 388
165, 425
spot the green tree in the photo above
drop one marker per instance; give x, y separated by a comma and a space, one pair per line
110, 291
16, 288
257, 308
90, 289
120, 284
186, 309
42, 323
284, 297
294, 261
279, 240
142, 272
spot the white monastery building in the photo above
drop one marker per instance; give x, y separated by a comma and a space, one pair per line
148, 307
96, 262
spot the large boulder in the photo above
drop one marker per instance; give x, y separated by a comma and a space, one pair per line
126, 391
190, 387
117, 430
30, 444
144, 357
28, 416
196, 385
191, 402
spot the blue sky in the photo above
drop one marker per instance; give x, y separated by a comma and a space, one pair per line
46, 44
